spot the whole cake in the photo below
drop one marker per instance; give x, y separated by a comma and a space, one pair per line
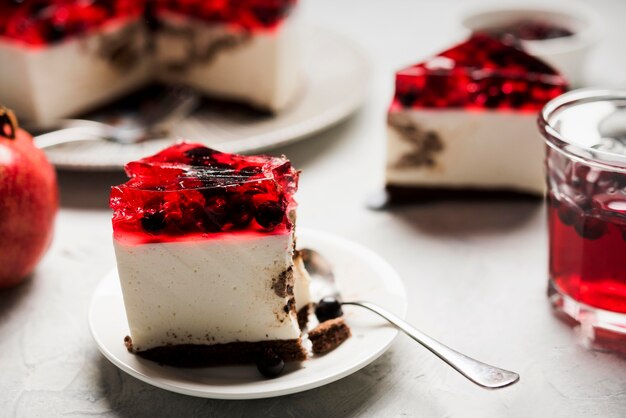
205, 253
462, 124
62, 57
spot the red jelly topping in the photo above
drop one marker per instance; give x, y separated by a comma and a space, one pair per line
480, 73
189, 191
39, 22
248, 14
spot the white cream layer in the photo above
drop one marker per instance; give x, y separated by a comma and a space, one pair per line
206, 292
481, 149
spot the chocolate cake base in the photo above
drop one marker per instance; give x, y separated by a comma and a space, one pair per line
399, 195
329, 335
197, 355
303, 316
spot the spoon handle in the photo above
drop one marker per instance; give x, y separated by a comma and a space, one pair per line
66, 136
478, 372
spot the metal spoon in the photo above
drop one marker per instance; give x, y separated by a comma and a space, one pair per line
173, 105
485, 375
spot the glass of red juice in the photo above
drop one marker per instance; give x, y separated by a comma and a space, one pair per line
585, 133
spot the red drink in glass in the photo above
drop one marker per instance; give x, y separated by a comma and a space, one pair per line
585, 132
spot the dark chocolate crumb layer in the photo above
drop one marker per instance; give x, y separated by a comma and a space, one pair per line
426, 145
283, 284
398, 195
198, 355
303, 316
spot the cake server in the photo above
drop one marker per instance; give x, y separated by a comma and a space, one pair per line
485, 375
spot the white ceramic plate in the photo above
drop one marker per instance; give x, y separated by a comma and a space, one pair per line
360, 274
335, 85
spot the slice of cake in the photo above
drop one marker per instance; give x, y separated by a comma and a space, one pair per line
205, 252
462, 124
63, 57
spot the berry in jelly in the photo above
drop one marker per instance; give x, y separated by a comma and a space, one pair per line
240, 211
215, 213
269, 214
589, 227
153, 222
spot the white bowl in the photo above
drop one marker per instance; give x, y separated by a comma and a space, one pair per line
566, 54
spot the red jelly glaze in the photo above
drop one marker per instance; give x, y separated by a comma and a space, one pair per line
40, 22
189, 191
248, 14
480, 73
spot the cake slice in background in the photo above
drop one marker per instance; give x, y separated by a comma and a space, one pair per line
65, 57
462, 124
60, 58
245, 51
205, 252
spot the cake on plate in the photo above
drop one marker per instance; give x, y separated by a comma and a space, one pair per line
63, 57
205, 243
462, 124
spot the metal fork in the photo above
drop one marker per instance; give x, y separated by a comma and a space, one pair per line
482, 374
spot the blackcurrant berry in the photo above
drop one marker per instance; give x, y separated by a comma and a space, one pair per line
270, 364
269, 214
153, 222
328, 308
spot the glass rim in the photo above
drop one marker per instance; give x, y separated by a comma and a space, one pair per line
554, 139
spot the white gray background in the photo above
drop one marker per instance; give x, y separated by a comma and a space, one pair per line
475, 273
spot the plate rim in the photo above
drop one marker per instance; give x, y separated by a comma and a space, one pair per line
317, 234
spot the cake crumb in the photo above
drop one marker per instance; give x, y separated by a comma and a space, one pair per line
303, 316
329, 335
128, 342
283, 284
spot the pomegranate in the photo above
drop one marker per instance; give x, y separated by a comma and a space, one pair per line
28, 202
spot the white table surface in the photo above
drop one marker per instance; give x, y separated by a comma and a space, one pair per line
475, 273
